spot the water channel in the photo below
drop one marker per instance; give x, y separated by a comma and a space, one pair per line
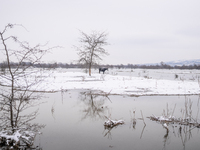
74, 120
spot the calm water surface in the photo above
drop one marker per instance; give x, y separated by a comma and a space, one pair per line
74, 121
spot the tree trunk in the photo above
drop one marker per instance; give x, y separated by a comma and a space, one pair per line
90, 65
11, 99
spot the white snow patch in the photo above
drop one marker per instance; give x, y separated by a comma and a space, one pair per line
119, 84
115, 84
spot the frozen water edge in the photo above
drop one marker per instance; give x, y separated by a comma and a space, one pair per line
118, 85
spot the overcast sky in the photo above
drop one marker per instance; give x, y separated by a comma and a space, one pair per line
139, 31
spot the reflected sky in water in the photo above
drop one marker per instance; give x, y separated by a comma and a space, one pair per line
74, 120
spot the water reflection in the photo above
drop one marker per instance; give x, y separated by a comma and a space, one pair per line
93, 105
166, 139
107, 132
68, 133
95, 109
183, 133
183, 129
16, 129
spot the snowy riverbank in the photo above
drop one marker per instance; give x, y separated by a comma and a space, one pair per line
117, 84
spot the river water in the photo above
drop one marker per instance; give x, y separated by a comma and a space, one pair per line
74, 120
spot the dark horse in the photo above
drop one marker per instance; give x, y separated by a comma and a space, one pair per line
102, 69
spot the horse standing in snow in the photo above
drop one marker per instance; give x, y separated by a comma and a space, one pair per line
102, 69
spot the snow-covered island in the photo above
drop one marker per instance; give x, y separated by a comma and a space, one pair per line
118, 84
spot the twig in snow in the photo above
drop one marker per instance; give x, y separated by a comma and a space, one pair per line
111, 123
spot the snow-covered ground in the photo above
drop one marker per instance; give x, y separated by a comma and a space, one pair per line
63, 79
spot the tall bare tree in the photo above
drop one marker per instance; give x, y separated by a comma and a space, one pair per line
91, 49
19, 82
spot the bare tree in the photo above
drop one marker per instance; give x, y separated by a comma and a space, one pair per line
19, 83
91, 49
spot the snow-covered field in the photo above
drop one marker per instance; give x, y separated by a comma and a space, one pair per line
138, 82
125, 84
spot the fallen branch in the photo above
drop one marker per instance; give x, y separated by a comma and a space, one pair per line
111, 123
173, 120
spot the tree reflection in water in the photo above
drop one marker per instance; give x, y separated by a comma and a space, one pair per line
94, 105
95, 108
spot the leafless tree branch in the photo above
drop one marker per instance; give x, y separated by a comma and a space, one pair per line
91, 49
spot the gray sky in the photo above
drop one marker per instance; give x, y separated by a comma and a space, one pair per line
140, 31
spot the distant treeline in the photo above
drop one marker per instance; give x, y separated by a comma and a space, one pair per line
4, 65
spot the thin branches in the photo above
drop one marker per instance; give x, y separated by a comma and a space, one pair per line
19, 83
91, 49
143, 118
